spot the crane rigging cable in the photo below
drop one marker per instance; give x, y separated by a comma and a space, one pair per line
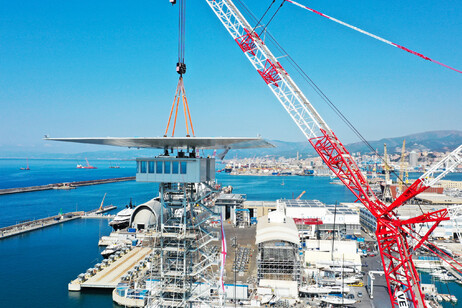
181, 66
180, 69
392, 231
272, 17
264, 14
316, 88
372, 35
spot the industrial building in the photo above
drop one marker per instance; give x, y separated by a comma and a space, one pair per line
316, 219
445, 230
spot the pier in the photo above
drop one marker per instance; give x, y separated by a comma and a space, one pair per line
36, 224
111, 275
33, 225
69, 185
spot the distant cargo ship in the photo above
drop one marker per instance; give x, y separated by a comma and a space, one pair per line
88, 166
27, 168
114, 166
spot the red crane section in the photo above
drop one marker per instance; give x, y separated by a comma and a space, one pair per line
392, 233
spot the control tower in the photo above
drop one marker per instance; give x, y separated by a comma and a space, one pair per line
186, 270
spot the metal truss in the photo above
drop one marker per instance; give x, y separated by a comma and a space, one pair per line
402, 279
186, 261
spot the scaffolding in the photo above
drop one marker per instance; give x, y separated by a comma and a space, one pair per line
187, 263
278, 260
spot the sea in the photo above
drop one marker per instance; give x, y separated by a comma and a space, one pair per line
36, 267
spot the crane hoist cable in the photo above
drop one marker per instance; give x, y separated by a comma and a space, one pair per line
180, 93
180, 65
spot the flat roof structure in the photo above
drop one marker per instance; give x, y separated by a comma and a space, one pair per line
433, 198
175, 142
339, 209
229, 199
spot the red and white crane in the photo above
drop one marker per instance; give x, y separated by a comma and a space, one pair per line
394, 235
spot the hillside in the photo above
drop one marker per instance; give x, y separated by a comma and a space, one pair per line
438, 141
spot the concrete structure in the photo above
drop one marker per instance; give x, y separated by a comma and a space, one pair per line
227, 203
282, 289
437, 199
413, 159
259, 208
451, 184
110, 276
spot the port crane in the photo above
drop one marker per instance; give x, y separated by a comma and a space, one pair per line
396, 237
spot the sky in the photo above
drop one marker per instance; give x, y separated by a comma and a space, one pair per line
107, 68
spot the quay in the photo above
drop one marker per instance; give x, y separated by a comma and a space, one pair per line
33, 225
110, 276
69, 185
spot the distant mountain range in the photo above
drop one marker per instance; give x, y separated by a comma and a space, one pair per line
438, 141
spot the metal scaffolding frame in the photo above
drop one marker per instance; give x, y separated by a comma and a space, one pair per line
188, 266
278, 262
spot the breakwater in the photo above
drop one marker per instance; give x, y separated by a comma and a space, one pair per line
67, 185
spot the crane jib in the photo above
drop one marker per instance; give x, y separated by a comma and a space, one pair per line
401, 275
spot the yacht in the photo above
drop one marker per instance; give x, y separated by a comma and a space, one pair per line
122, 219
316, 289
336, 300
111, 249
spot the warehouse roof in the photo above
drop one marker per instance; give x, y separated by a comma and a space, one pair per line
276, 227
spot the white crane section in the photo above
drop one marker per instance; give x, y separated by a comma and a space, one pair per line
280, 83
449, 163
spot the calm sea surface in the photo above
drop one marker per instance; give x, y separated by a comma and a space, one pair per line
37, 266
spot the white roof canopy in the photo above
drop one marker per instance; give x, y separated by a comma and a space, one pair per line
175, 142
276, 227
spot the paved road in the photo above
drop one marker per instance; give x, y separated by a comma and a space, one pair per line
381, 297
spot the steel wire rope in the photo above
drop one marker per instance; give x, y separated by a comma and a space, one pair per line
320, 92
323, 96
258, 23
272, 17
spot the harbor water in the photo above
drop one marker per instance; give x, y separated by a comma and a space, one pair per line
37, 266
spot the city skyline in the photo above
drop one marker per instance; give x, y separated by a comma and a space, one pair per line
108, 69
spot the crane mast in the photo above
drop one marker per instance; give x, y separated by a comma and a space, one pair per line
392, 233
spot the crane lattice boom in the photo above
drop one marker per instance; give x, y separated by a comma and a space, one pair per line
402, 278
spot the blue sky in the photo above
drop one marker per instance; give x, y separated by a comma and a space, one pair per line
107, 68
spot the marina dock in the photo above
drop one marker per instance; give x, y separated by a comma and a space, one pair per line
69, 185
111, 275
